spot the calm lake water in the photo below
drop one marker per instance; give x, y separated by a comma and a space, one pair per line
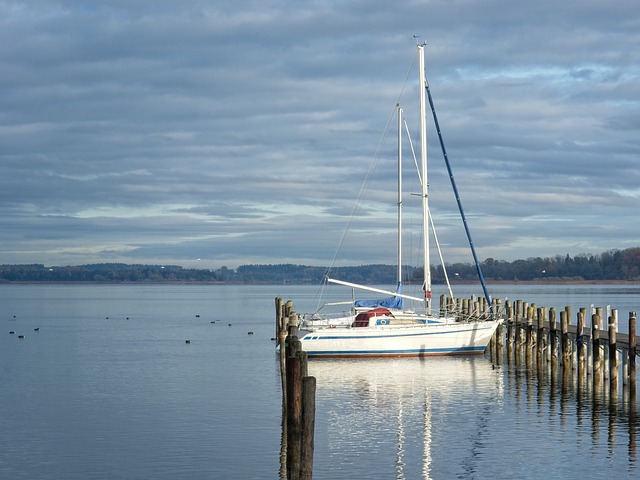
108, 388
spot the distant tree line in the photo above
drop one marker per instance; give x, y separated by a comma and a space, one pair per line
104, 273
610, 265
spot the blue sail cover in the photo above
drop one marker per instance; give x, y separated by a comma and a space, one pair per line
389, 302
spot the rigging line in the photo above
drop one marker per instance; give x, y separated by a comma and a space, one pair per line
406, 79
444, 268
433, 227
459, 202
413, 152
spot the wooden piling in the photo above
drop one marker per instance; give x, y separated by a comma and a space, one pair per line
294, 417
308, 427
499, 344
613, 358
553, 338
567, 309
509, 340
300, 415
492, 346
279, 308
540, 344
281, 336
518, 328
529, 332
565, 341
597, 352
632, 351
581, 347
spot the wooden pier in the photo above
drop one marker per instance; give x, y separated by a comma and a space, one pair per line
532, 335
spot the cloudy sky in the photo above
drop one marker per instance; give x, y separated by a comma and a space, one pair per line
204, 134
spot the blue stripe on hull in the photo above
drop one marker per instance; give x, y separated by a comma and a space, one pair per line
384, 353
316, 336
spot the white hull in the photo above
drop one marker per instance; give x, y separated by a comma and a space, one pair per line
400, 340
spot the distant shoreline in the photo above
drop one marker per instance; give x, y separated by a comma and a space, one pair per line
169, 282
564, 282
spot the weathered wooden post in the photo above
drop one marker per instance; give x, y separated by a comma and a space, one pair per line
565, 345
565, 341
492, 347
529, 334
528, 344
282, 312
517, 338
585, 343
597, 353
509, 334
632, 351
604, 343
485, 308
281, 335
497, 308
567, 309
279, 315
288, 308
519, 317
540, 343
581, 347
292, 325
308, 427
613, 358
294, 417
553, 339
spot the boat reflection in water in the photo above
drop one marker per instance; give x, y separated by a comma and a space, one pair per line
463, 417
402, 414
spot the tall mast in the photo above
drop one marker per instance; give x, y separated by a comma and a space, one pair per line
399, 196
425, 184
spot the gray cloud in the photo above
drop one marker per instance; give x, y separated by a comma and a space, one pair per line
241, 132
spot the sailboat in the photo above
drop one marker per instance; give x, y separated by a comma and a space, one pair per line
383, 329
